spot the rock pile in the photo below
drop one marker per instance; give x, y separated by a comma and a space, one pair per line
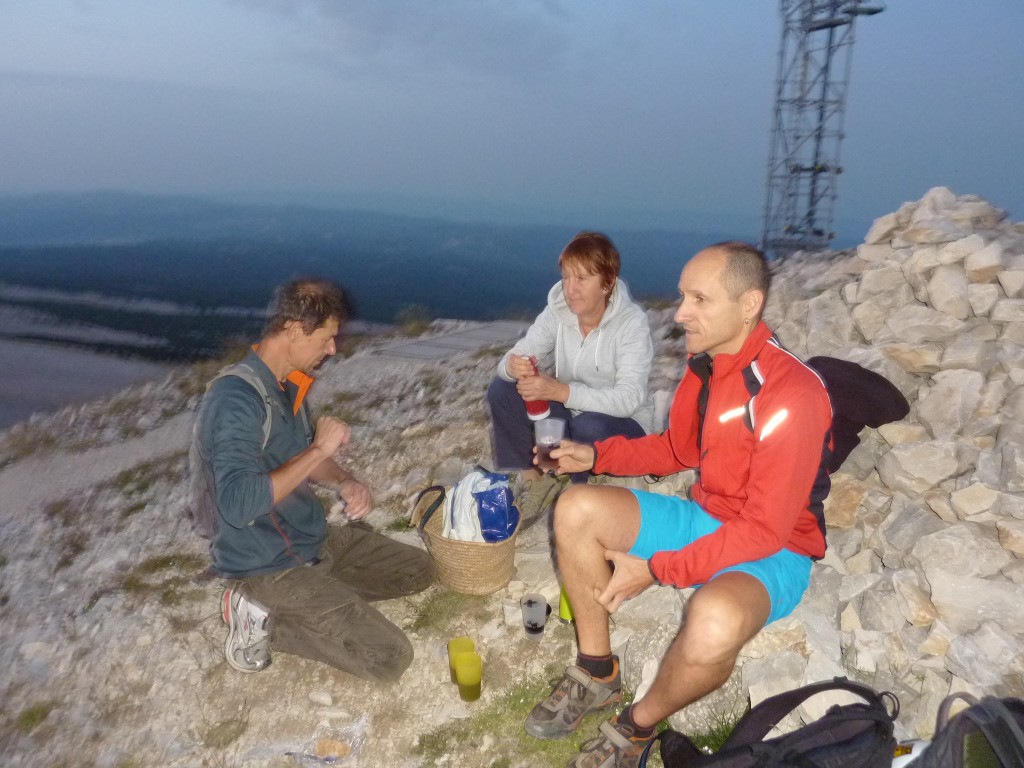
922, 590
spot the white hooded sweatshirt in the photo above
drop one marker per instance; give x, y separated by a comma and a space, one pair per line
608, 371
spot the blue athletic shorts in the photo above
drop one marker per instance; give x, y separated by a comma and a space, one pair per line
670, 523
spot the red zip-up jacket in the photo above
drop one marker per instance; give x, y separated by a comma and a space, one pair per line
762, 459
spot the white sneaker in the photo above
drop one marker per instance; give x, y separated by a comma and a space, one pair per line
247, 647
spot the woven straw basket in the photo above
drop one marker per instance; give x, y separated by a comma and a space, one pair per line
469, 567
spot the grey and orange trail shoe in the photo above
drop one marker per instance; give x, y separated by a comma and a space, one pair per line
576, 695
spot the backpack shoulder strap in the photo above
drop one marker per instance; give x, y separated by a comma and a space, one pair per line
250, 377
756, 723
1000, 727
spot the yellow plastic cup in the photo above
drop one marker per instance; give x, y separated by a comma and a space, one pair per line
564, 607
455, 646
469, 669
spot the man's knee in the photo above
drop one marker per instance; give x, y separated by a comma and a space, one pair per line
573, 506
600, 512
716, 626
389, 663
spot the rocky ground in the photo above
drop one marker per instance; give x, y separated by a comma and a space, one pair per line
111, 648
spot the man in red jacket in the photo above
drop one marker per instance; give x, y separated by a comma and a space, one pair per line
756, 422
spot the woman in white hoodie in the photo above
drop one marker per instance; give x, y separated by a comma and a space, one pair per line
592, 347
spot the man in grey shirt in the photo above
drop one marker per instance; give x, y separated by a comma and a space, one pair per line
297, 585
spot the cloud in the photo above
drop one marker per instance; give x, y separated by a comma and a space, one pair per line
444, 37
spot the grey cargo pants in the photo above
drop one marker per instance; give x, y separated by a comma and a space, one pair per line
322, 611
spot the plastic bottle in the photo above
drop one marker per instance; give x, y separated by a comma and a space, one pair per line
537, 409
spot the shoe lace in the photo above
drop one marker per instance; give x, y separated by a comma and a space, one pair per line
567, 688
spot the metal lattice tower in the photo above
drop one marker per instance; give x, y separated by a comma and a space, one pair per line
807, 129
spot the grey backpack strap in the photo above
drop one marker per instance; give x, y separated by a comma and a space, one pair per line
248, 375
999, 726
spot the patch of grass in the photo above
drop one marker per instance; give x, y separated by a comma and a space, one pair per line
32, 717
60, 511
442, 608
496, 351
133, 509
22, 441
71, 546
141, 478
502, 721
719, 726
177, 561
432, 383
223, 733
169, 577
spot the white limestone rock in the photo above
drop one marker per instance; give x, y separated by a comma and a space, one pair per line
1008, 311
856, 584
973, 500
956, 251
951, 402
1011, 535
936, 643
920, 359
828, 326
882, 229
1012, 282
965, 602
879, 280
1012, 466
916, 467
947, 291
901, 432
984, 264
985, 657
912, 598
770, 676
843, 501
876, 254
970, 352
983, 297
968, 549
880, 609
919, 325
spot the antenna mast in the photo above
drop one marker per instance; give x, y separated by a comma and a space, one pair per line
807, 129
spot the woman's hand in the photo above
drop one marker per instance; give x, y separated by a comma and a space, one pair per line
520, 367
542, 387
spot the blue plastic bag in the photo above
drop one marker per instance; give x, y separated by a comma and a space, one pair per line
496, 508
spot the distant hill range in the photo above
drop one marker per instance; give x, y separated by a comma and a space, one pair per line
205, 255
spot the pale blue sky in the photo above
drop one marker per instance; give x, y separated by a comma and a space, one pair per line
616, 113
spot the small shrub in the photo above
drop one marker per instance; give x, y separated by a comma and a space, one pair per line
413, 320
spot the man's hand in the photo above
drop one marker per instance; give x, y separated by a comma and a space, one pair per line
572, 457
357, 498
331, 434
630, 577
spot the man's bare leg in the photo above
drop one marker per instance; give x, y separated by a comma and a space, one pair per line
721, 617
590, 519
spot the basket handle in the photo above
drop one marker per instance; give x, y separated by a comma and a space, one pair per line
421, 513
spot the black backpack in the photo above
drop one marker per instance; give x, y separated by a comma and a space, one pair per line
988, 734
858, 735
